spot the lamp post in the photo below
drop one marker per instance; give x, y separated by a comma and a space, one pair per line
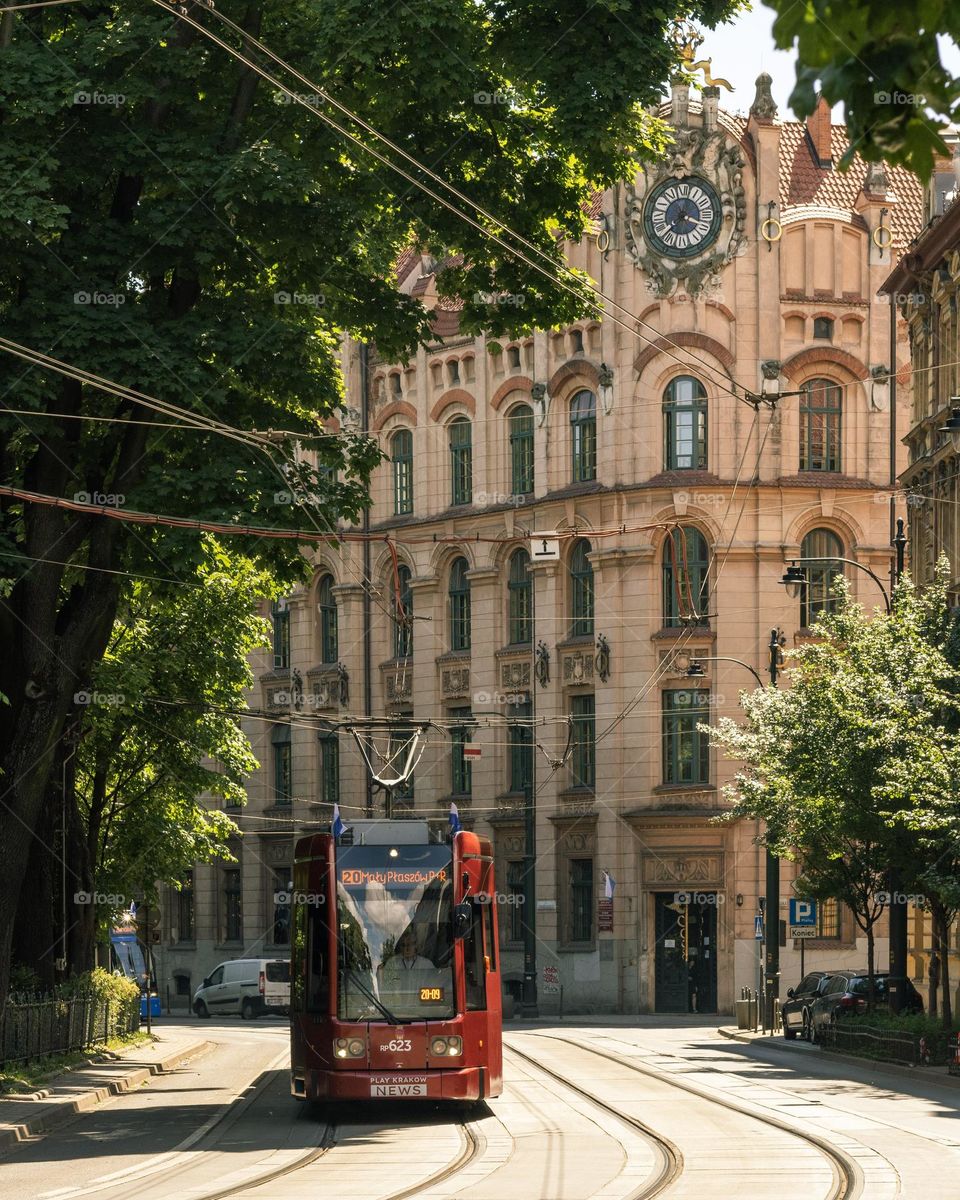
771, 903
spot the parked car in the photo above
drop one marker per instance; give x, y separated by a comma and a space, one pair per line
795, 1010
248, 986
845, 994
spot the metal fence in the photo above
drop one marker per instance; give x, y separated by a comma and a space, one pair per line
891, 1045
36, 1027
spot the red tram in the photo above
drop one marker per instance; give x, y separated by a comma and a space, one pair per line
395, 979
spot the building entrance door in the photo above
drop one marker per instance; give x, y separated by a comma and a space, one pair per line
685, 962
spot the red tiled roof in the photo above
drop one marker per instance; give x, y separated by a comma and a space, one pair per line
803, 182
409, 259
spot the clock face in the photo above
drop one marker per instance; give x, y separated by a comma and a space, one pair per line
682, 217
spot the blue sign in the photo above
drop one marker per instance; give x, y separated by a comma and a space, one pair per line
758, 927
803, 913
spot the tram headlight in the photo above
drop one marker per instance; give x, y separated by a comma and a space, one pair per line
446, 1047
349, 1048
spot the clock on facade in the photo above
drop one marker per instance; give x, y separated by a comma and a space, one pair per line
681, 217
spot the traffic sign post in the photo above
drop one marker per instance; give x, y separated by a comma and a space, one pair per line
803, 924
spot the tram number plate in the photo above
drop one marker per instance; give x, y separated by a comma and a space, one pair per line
398, 1089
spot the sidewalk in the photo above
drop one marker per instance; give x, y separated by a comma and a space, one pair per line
802, 1051
27, 1116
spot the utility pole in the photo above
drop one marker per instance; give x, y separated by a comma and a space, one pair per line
896, 983
771, 928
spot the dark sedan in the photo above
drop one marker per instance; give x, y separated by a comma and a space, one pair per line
795, 1010
846, 993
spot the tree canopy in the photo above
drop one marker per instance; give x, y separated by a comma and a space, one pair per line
884, 62
852, 766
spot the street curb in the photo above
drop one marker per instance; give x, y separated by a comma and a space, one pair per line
56, 1114
779, 1046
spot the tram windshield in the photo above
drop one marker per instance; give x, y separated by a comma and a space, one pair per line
395, 941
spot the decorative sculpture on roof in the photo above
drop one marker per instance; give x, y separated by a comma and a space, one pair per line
689, 39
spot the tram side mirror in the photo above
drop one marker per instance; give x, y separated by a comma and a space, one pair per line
462, 920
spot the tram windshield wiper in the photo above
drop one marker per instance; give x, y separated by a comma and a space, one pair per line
370, 996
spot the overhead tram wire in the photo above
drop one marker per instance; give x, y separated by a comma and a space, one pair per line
250, 39
212, 425
487, 233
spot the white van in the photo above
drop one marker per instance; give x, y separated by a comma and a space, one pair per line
248, 986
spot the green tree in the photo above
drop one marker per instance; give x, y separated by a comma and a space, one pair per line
159, 731
172, 223
824, 759
883, 62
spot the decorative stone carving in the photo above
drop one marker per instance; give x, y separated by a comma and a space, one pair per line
764, 106
455, 681
516, 675
279, 698
577, 667
398, 683
326, 692
672, 867
278, 852
696, 151
876, 182
541, 401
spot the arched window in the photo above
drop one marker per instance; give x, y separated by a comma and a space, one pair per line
685, 425
459, 605
583, 430
520, 422
401, 455
520, 591
581, 590
327, 607
461, 461
686, 567
820, 414
403, 615
816, 593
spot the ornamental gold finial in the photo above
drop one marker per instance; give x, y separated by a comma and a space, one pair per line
688, 40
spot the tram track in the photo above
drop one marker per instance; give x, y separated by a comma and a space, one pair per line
669, 1155
849, 1178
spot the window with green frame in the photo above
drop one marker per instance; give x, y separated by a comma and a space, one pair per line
282, 764
461, 771
401, 455
821, 403
461, 461
459, 605
685, 425
580, 900
816, 592
583, 436
686, 577
327, 608
280, 616
520, 597
403, 623
583, 757
329, 769
520, 762
520, 424
581, 590
686, 751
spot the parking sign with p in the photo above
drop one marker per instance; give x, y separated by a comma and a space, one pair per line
803, 918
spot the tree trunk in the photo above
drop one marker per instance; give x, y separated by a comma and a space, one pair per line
36, 932
871, 965
943, 940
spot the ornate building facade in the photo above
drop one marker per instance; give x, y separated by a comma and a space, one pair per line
737, 414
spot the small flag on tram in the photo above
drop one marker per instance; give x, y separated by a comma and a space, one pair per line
454, 819
338, 825
609, 883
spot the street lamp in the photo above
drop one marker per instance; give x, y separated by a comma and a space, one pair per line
953, 424
695, 670
794, 577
